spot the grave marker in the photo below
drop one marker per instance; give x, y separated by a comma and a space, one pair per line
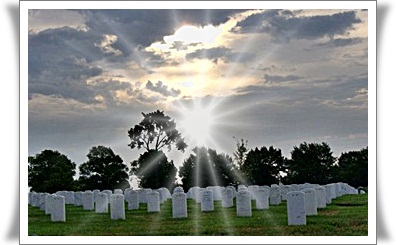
296, 214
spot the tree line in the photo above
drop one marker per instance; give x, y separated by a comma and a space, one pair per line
51, 171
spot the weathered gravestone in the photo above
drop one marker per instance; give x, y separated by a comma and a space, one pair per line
262, 196
57, 209
179, 205
311, 205
207, 201
117, 206
88, 200
321, 196
227, 198
244, 203
296, 214
153, 203
132, 197
275, 195
102, 203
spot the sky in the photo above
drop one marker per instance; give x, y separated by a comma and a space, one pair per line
271, 77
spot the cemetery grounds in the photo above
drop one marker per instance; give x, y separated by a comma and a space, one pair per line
345, 216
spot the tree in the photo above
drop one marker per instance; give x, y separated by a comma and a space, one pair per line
154, 170
263, 166
240, 153
353, 168
103, 170
156, 131
50, 171
204, 167
311, 163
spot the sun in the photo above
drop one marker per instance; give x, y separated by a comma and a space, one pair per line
197, 124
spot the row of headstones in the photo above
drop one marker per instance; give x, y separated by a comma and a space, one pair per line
54, 204
315, 196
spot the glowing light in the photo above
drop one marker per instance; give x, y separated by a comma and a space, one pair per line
197, 124
192, 34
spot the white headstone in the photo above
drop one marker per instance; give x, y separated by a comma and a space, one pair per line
296, 214
178, 189
58, 213
153, 203
69, 199
179, 205
199, 195
78, 198
88, 200
227, 198
252, 189
217, 193
42, 200
109, 193
275, 195
207, 201
48, 203
132, 197
95, 193
329, 195
321, 196
117, 206
244, 203
102, 203
262, 199
118, 191
284, 190
311, 205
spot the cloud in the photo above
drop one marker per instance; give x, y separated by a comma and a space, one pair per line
340, 42
162, 89
283, 26
277, 78
219, 53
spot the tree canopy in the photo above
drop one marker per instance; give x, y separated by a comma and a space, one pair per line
103, 170
154, 170
263, 166
156, 131
311, 163
50, 171
205, 167
353, 168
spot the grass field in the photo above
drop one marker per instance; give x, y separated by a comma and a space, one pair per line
346, 216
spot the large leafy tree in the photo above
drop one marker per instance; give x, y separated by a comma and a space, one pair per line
103, 170
263, 166
156, 131
205, 167
50, 171
154, 170
311, 163
353, 168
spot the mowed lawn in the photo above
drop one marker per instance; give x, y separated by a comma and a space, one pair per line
346, 216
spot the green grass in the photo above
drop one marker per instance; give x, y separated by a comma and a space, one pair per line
346, 216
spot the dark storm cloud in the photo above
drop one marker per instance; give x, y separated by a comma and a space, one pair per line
162, 89
282, 26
